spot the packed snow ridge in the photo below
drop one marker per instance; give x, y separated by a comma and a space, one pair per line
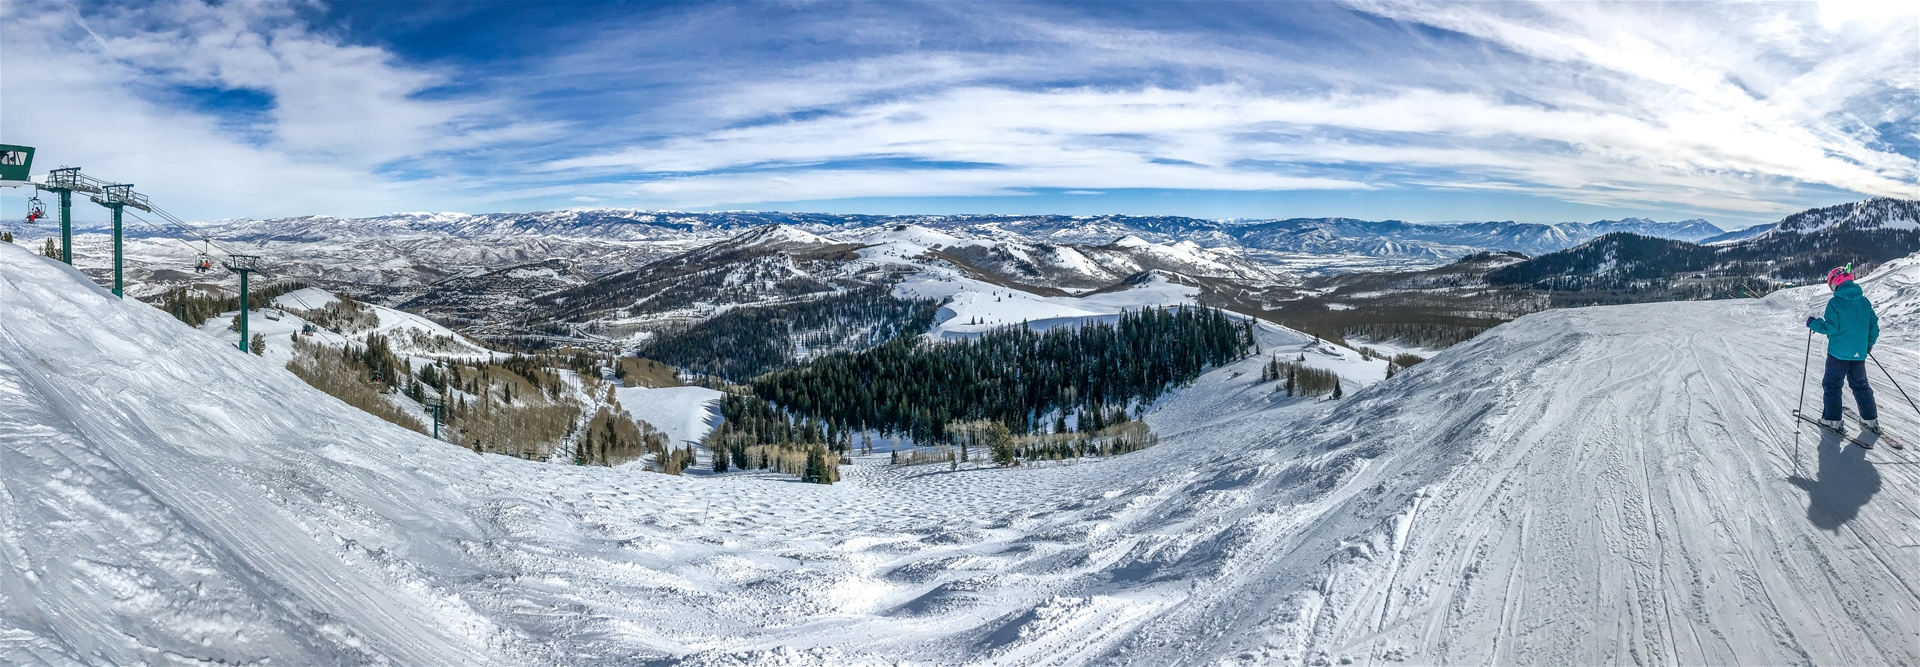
1598, 485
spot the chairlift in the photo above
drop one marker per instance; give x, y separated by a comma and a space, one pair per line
35, 210
206, 259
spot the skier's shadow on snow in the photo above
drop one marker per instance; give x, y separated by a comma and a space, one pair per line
1845, 482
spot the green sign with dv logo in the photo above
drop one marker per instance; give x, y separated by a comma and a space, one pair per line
16, 163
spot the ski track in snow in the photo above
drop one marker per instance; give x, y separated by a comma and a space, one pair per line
1601, 485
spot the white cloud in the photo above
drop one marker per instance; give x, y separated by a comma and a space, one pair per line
1728, 107
99, 91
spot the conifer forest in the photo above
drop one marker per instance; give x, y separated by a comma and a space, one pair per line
1014, 375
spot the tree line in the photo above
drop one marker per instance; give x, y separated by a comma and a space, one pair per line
195, 308
1013, 375
746, 342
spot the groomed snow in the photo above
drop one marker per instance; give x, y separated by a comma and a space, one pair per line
977, 307
1601, 485
685, 414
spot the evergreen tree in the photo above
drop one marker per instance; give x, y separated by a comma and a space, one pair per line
816, 467
1002, 446
50, 249
1336, 391
6, 237
720, 459
258, 346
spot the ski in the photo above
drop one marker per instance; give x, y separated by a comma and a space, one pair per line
1857, 442
1862, 424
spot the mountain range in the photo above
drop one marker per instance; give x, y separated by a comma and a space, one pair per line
1313, 235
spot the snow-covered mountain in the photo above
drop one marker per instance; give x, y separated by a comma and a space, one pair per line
1878, 213
426, 257
405, 251
1048, 264
1738, 234
781, 264
1446, 241
1581, 486
1801, 247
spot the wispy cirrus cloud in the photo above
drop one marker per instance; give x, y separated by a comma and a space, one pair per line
1578, 105
1734, 111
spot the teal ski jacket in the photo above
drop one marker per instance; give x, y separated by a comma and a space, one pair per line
1850, 324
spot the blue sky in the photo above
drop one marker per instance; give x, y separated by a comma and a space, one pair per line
1738, 113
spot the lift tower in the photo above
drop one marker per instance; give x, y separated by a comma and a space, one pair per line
243, 265
435, 406
66, 181
118, 197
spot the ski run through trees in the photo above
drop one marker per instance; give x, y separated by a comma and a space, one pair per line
1013, 375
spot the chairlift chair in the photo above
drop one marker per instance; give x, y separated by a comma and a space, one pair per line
206, 259
35, 210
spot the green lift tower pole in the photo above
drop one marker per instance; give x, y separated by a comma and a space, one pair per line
118, 197
435, 405
66, 226
243, 265
66, 181
119, 258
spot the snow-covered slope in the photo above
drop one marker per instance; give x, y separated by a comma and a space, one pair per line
165, 499
1601, 485
1872, 214
406, 333
972, 307
685, 414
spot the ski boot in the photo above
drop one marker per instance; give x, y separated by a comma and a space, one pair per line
1872, 425
1834, 425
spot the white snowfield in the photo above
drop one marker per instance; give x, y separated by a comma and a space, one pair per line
685, 414
1592, 486
973, 307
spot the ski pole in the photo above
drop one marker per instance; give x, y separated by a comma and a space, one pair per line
1805, 360
1896, 383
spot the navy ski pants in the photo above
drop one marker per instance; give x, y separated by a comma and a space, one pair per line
1855, 375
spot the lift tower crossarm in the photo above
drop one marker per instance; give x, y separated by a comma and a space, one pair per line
122, 194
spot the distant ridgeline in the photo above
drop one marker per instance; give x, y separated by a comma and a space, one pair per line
1013, 375
1625, 267
744, 343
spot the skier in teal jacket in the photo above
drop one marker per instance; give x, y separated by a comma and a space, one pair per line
1851, 328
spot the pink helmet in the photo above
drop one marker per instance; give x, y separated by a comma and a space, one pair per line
1838, 275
